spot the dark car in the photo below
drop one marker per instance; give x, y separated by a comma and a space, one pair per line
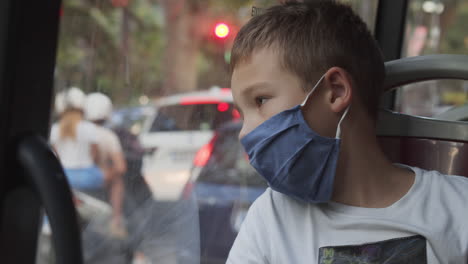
225, 185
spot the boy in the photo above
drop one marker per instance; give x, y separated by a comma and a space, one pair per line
307, 79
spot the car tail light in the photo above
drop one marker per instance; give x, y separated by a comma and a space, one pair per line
188, 100
201, 159
235, 114
204, 154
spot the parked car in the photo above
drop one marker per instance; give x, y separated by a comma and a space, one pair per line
178, 127
224, 185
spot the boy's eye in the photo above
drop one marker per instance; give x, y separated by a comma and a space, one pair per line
261, 100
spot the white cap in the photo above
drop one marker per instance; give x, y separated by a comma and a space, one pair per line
71, 98
98, 106
60, 102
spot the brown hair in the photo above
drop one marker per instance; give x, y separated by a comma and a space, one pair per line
68, 123
313, 37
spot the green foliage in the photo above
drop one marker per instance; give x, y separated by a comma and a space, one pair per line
98, 52
92, 54
456, 38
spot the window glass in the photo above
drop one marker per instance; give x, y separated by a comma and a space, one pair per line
191, 117
158, 173
131, 118
228, 163
435, 27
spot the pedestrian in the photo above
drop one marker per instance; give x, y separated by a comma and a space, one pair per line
98, 108
74, 140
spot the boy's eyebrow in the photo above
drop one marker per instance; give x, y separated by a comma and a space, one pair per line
258, 85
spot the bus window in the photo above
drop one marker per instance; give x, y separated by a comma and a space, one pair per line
139, 54
436, 27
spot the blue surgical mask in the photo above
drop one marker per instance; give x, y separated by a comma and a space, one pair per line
294, 159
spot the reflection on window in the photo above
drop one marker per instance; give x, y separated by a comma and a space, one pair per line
229, 164
191, 117
442, 99
138, 52
435, 27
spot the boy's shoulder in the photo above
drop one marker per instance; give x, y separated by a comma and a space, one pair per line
436, 178
436, 185
445, 187
449, 191
445, 199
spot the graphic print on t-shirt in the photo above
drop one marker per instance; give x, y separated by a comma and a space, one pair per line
400, 250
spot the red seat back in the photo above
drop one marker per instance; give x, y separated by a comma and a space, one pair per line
448, 157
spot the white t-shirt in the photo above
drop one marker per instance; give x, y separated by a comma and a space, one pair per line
75, 153
108, 144
427, 225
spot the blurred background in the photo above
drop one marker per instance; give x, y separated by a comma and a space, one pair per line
164, 65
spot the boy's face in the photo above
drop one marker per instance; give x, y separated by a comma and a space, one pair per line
262, 89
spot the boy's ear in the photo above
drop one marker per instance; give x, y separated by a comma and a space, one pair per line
340, 88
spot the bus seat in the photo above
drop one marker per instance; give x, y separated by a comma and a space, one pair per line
418, 141
423, 142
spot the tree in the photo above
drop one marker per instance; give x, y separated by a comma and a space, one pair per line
126, 48
101, 47
184, 21
188, 43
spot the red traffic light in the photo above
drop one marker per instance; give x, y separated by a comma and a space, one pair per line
221, 30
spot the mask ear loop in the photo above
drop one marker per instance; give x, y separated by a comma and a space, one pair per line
338, 129
311, 91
